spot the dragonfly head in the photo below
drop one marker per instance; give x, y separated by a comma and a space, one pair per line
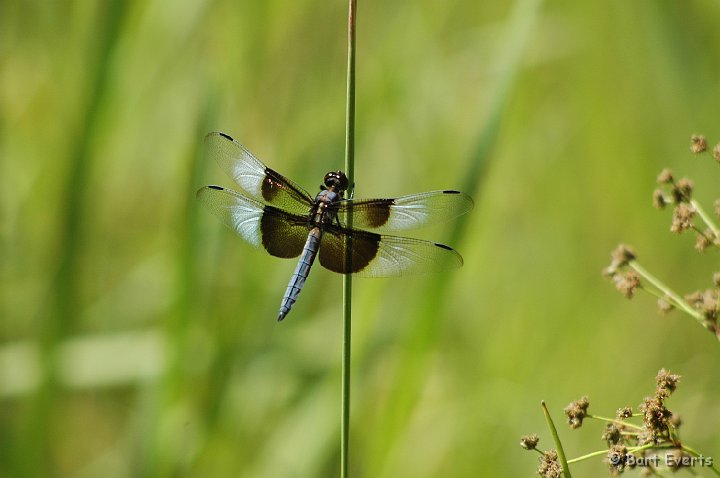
336, 179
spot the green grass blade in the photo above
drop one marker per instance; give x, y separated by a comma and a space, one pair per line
558, 443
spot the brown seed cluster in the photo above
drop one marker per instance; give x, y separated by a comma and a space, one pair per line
682, 219
666, 382
707, 302
658, 424
656, 419
617, 459
621, 256
576, 411
611, 434
626, 282
623, 413
664, 305
529, 442
679, 193
703, 241
549, 466
698, 144
683, 190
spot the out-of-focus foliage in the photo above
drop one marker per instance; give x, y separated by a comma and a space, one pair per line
138, 335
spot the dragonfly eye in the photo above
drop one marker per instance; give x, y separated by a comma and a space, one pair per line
337, 179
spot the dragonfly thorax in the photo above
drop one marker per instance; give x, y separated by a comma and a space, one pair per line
323, 211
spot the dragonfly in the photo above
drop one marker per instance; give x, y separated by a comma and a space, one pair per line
348, 235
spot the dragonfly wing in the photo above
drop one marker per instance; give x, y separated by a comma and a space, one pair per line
375, 255
262, 225
256, 179
406, 212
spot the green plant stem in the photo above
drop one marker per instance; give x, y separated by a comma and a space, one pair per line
648, 446
605, 452
347, 278
615, 420
556, 438
706, 218
589, 455
655, 293
667, 291
697, 454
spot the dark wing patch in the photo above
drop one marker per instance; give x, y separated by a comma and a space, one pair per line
375, 216
279, 190
333, 244
375, 255
279, 233
283, 235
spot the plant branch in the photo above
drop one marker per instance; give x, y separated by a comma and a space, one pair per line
680, 302
706, 219
615, 421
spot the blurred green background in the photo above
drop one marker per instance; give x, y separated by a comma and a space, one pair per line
138, 334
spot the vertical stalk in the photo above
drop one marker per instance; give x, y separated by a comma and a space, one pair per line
558, 443
347, 278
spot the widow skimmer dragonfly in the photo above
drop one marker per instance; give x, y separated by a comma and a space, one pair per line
276, 214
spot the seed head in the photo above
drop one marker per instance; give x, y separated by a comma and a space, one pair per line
706, 302
627, 283
611, 434
695, 299
716, 152
549, 466
529, 442
623, 413
682, 192
664, 305
576, 411
655, 420
666, 383
682, 218
658, 199
698, 144
709, 306
665, 177
622, 255
702, 241
617, 459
